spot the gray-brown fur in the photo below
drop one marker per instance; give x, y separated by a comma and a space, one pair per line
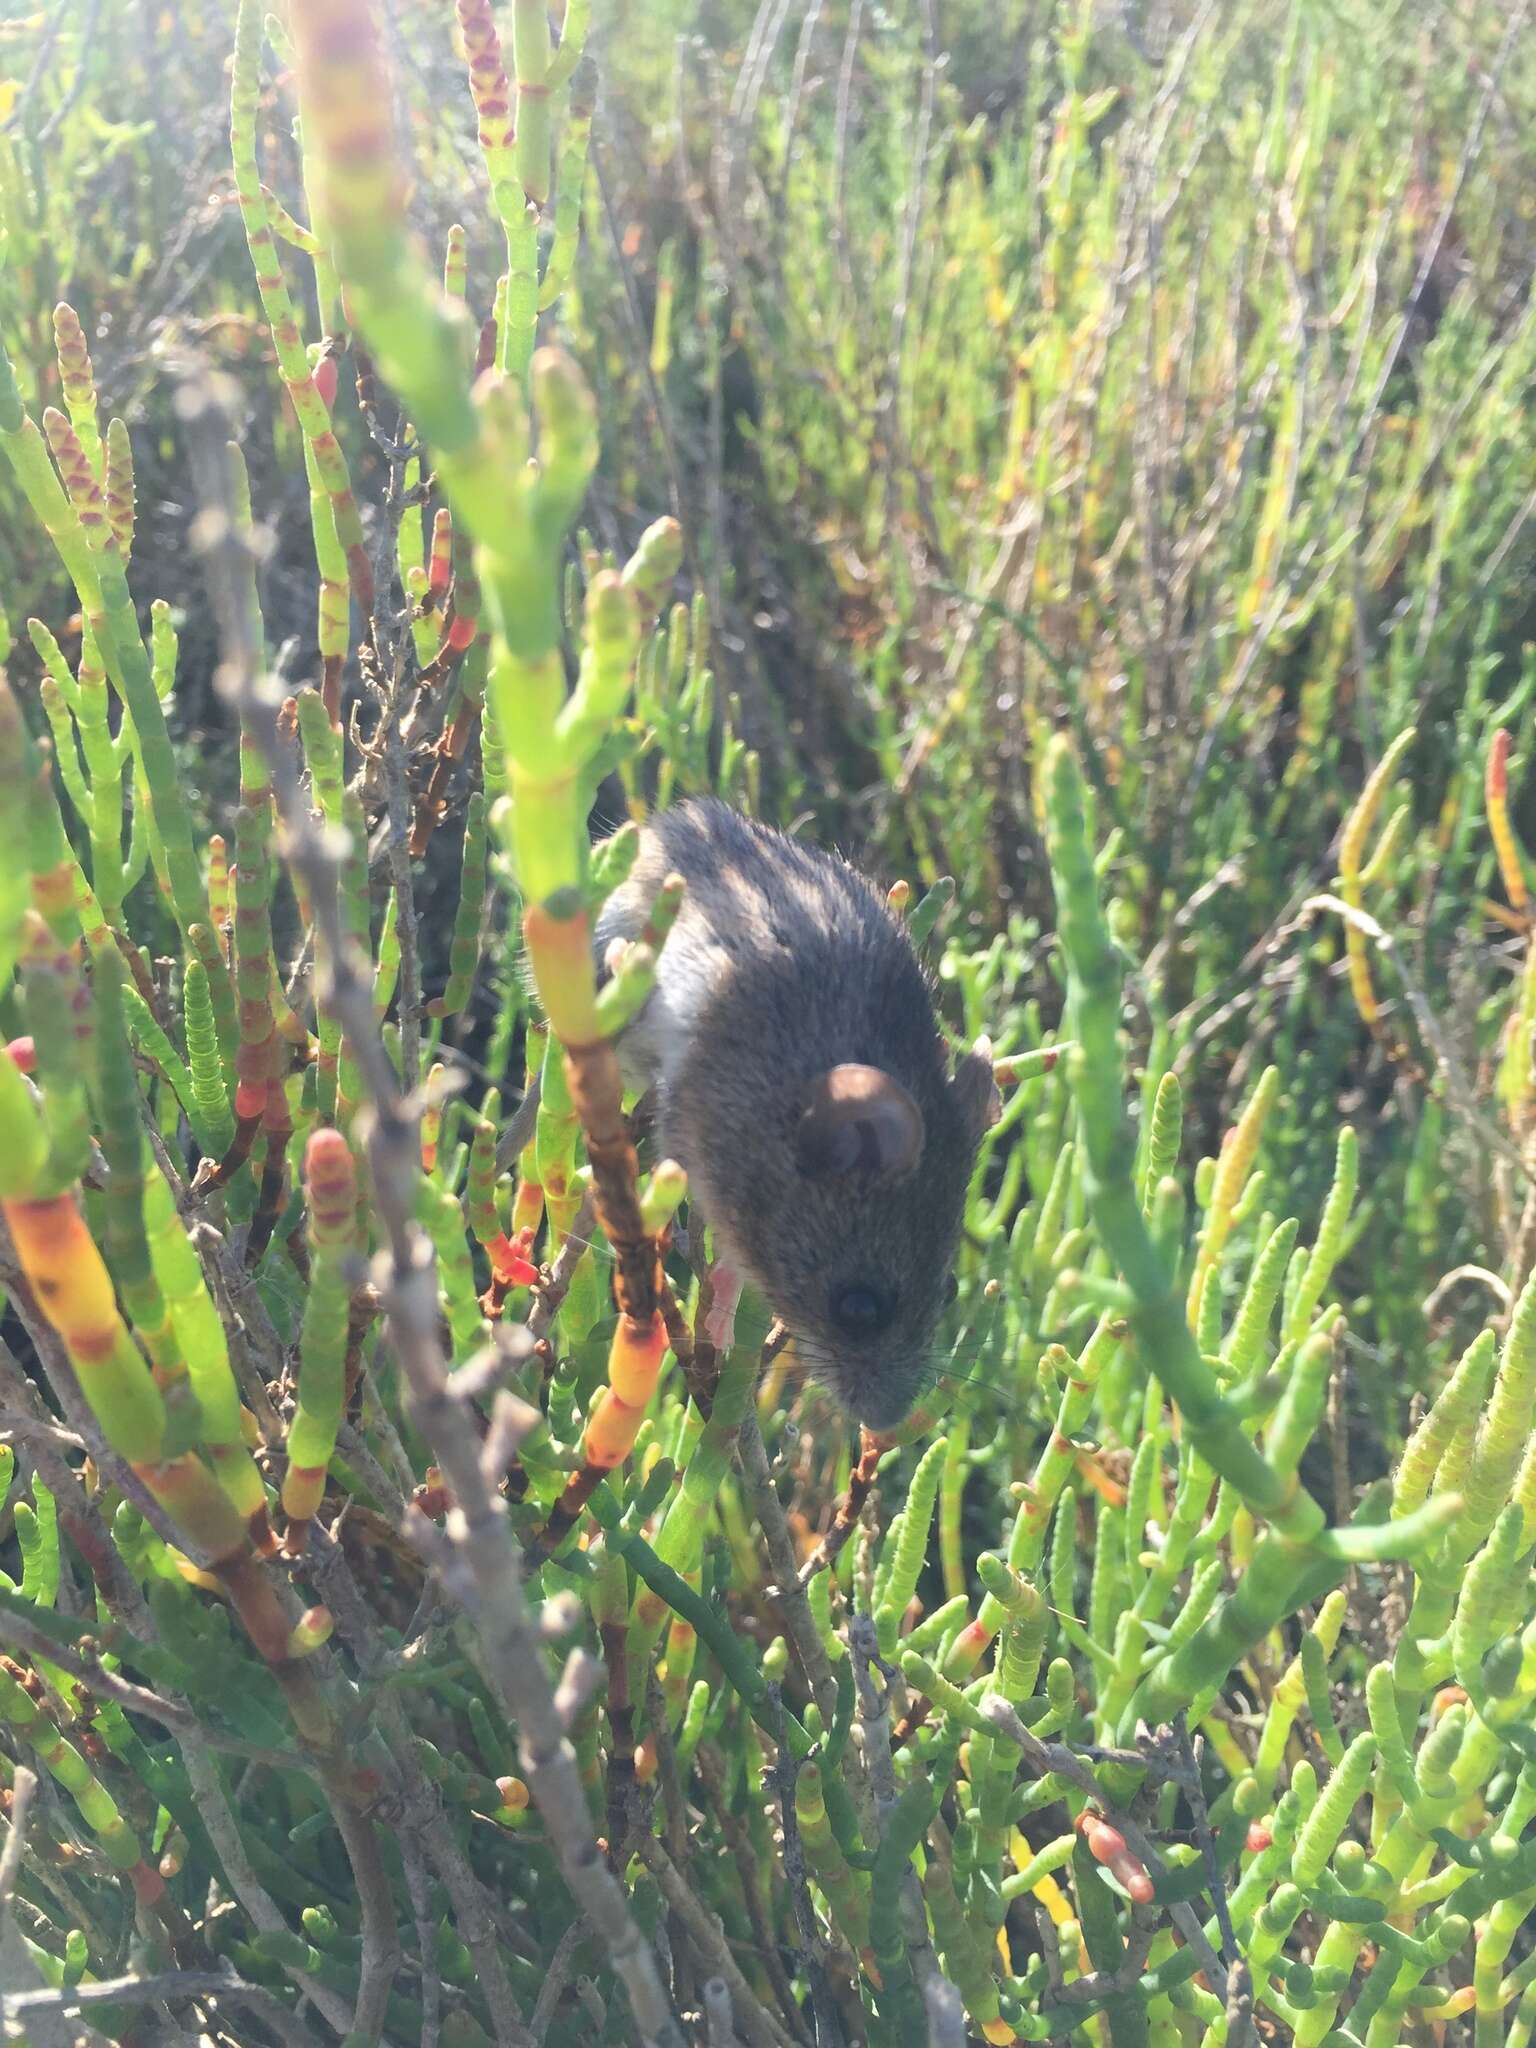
783, 964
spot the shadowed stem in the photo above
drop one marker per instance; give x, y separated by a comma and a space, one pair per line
799, 1622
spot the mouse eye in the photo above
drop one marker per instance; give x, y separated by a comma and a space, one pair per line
951, 1289
860, 1311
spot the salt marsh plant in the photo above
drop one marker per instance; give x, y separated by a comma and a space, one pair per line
413, 1627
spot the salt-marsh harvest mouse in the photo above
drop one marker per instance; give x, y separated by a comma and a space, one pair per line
802, 1080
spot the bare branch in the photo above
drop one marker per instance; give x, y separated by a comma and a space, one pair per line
23, 1785
490, 1583
759, 2025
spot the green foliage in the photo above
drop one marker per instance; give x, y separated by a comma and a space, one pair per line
1160, 417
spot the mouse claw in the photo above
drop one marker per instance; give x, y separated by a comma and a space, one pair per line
725, 1299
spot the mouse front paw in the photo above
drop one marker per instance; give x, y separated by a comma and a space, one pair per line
725, 1298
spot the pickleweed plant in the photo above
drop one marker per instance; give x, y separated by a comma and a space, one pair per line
414, 1625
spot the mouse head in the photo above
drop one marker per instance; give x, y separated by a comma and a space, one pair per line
826, 1139
878, 1191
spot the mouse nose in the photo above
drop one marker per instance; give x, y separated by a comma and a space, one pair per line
881, 1401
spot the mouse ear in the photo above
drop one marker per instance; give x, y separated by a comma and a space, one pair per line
976, 1095
858, 1120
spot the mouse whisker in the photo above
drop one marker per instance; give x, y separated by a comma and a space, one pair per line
597, 1246
803, 1358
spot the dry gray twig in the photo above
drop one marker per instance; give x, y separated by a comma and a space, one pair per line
23, 1786
759, 2025
489, 1583
176, 1715
799, 1622
1044, 1757
718, 2017
557, 1974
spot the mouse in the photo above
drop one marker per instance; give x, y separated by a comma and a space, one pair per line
792, 1047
